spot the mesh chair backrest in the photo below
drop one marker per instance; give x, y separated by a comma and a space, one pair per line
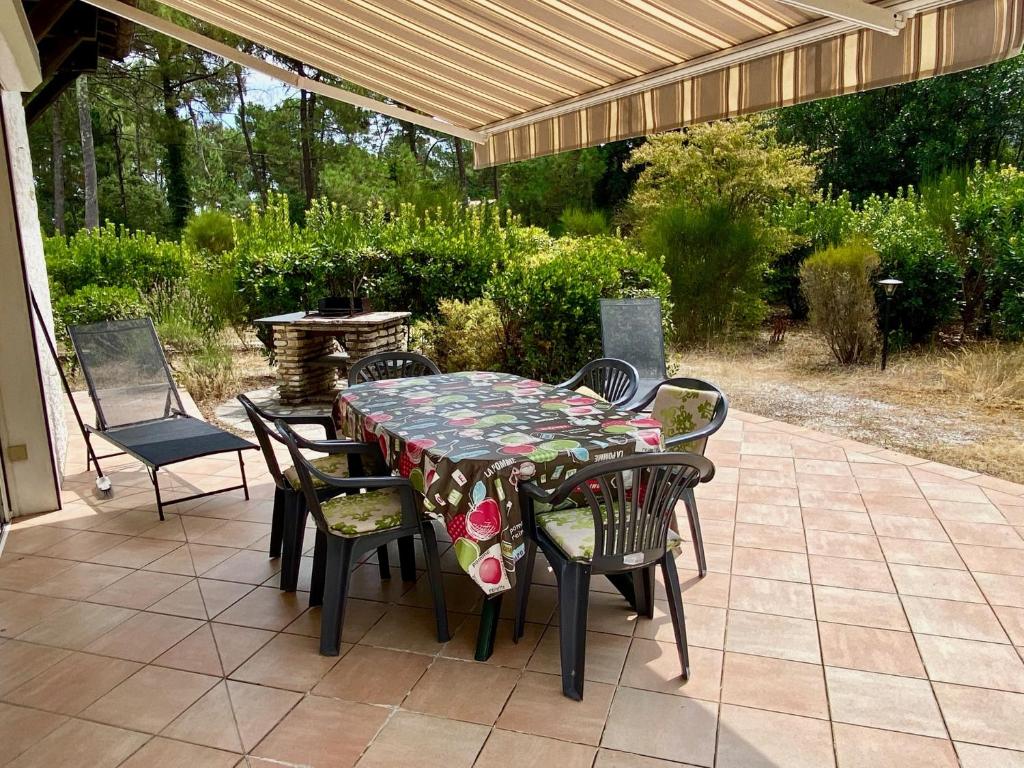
124, 366
391, 365
631, 330
266, 436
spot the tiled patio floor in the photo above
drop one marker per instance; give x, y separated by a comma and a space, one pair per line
864, 609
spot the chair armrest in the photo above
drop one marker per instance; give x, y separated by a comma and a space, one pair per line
535, 492
371, 483
336, 446
325, 421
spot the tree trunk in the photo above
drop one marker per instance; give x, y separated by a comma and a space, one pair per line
257, 176
409, 131
460, 163
92, 210
179, 196
199, 138
119, 156
306, 107
57, 144
494, 182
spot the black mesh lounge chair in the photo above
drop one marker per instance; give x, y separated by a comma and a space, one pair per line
288, 522
619, 526
138, 407
391, 365
690, 411
631, 330
351, 523
610, 379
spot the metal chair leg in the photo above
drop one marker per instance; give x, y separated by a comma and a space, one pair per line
276, 523
435, 578
407, 558
573, 598
675, 609
332, 613
524, 579
690, 502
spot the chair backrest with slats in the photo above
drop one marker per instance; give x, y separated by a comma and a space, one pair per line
127, 374
614, 380
631, 330
266, 435
391, 365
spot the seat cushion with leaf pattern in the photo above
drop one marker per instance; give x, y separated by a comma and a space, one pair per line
357, 514
573, 531
681, 411
332, 464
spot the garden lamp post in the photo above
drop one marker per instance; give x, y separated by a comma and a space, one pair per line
889, 285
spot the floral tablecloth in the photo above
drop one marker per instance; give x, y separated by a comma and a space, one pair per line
465, 440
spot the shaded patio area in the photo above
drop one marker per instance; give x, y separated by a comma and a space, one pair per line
863, 608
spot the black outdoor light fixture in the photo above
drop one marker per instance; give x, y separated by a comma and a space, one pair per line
889, 285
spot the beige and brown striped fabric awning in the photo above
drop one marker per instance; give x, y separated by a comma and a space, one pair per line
536, 77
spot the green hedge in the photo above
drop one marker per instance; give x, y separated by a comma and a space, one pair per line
94, 304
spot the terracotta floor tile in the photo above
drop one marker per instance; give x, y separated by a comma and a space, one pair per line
870, 650
834, 500
970, 513
791, 687
952, 492
894, 487
949, 618
981, 716
705, 626
144, 636
265, 608
770, 537
139, 589
196, 653
969, 662
186, 601
984, 534
220, 595
164, 753
654, 666
936, 554
21, 728
855, 606
506, 654
769, 478
29, 540
246, 566
413, 739
80, 581
768, 514
606, 654
406, 629
451, 689
1000, 590
150, 699
83, 546
191, 559
712, 590
236, 644
1009, 562
234, 533
1013, 621
72, 684
534, 751
784, 598
947, 583
853, 574
883, 701
20, 662
776, 636
753, 738
859, 747
92, 744
135, 553
686, 731
232, 716
287, 661
537, 706
323, 732
20, 611
977, 756
373, 675
610, 758
919, 528
838, 522
885, 503
768, 564
755, 494
836, 468
77, 626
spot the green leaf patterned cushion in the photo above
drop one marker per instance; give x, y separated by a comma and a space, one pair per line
333, 464
682, 411
573, 531
360, 513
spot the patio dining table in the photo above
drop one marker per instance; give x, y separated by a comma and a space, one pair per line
466, 440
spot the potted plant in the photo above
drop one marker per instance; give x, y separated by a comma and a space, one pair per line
348, 276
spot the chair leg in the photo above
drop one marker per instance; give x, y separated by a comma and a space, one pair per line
434, 577
241, 471
573, 598
643, 587
407, 558
276, 521
524, 579
293, 529
156, 489
316, 582
675, 609
384, 561
332, 613
690, 501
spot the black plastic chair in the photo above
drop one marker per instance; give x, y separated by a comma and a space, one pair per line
620, 526
631, 330
138, 407
613, 380
688, 431
350, 523
391, 365
288, 519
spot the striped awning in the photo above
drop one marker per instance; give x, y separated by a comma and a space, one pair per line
536, 77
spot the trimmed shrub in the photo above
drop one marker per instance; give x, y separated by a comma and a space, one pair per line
210, 231
94, 304
463, 336
837, 283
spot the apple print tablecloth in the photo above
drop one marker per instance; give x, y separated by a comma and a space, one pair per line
465, 440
